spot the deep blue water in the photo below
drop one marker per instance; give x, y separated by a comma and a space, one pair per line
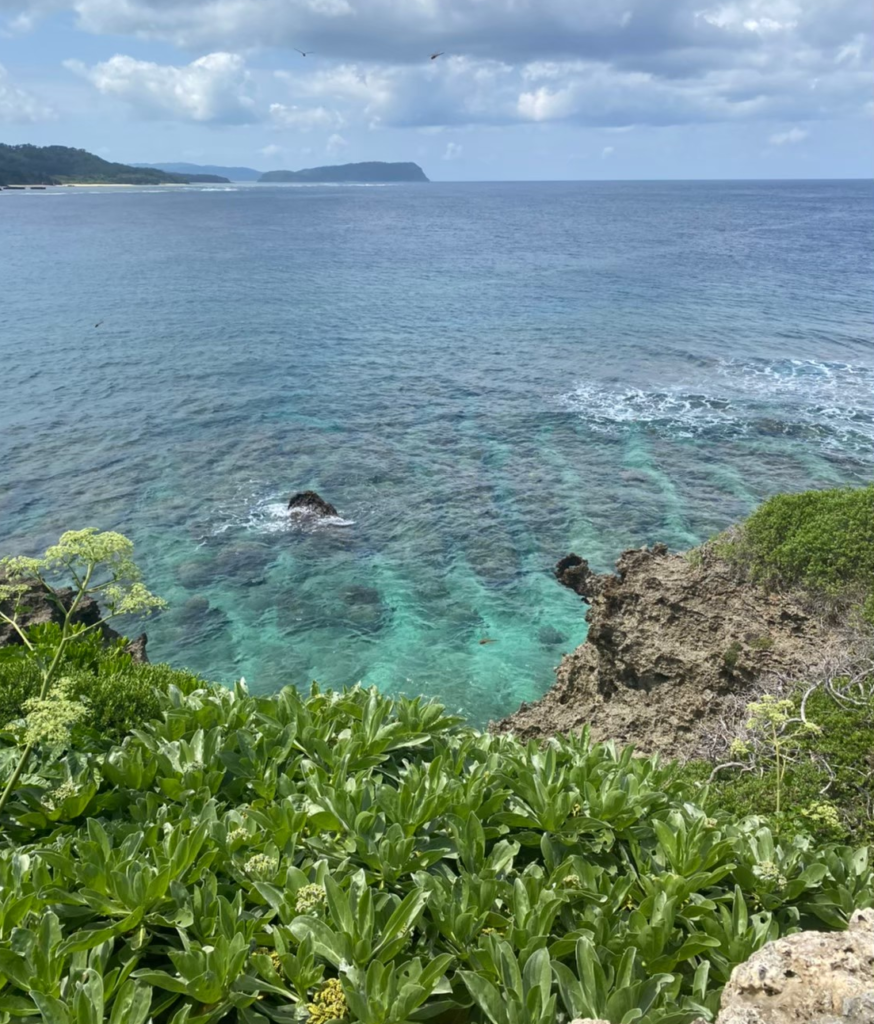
481, 377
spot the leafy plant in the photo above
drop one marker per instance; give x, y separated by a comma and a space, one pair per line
346, 857
99, 564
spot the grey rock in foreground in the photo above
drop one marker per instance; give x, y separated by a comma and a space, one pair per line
806, 978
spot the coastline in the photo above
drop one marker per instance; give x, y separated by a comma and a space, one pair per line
94, 184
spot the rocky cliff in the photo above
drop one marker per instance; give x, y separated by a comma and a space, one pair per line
677, 644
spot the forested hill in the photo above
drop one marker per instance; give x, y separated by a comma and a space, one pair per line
369, 172
56, 165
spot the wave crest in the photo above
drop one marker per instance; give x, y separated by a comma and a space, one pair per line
825, 403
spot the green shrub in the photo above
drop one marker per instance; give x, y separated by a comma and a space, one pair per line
119, 694
820, 540
827, 785
731, 655
346, 857
762, 643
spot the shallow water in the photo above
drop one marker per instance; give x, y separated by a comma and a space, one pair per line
480, 377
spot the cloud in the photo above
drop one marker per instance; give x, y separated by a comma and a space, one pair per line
453, 151
335, 144
607, 151
611, 64
304, 118
545, 104
214, 88
788, 138
19, 106
271, 150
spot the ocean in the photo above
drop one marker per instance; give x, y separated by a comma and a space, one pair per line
481, 377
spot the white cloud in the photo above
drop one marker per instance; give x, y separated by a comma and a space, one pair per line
304, 118
214, 88
335, 144
607, 151
453, 151
612, 63
271, 150
545, 105
757, 16
852, 52
16, 105
788, 138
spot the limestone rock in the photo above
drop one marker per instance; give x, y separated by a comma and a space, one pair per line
673, 648
806, 978
574, 572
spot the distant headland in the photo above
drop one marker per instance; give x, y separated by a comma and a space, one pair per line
62, 165
370, 172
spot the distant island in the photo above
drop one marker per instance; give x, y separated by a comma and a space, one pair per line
365, 173
196, 172
59, 165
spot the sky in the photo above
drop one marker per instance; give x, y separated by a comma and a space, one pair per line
523, 89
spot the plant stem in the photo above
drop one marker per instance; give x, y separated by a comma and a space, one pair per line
47, 679
16, 775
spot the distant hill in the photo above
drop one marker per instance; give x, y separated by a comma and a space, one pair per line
211, 179
56, 165
187, 170
372, 171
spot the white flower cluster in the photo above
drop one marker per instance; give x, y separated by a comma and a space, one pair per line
261, 867
50, 720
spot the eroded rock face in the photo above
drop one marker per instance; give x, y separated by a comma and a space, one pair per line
311, 503
41, 611
671, 646
806, 978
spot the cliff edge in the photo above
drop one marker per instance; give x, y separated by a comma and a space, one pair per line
676, 646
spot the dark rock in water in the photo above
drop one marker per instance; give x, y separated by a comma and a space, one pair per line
42, 609
574, 572
311, 503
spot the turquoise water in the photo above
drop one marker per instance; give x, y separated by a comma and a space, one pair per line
481, 377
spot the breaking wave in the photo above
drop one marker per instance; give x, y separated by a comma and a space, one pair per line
827, 404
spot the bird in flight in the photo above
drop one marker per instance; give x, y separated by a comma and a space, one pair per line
304, 54
99, 322
434, 56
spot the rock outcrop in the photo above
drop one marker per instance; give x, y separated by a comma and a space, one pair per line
41, 610
806, 978
310, 503
674, 644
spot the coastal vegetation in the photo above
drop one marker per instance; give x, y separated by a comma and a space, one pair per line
177, 852
57, 165
818, 541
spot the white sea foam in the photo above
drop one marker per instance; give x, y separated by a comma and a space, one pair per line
827, 404
270, 515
